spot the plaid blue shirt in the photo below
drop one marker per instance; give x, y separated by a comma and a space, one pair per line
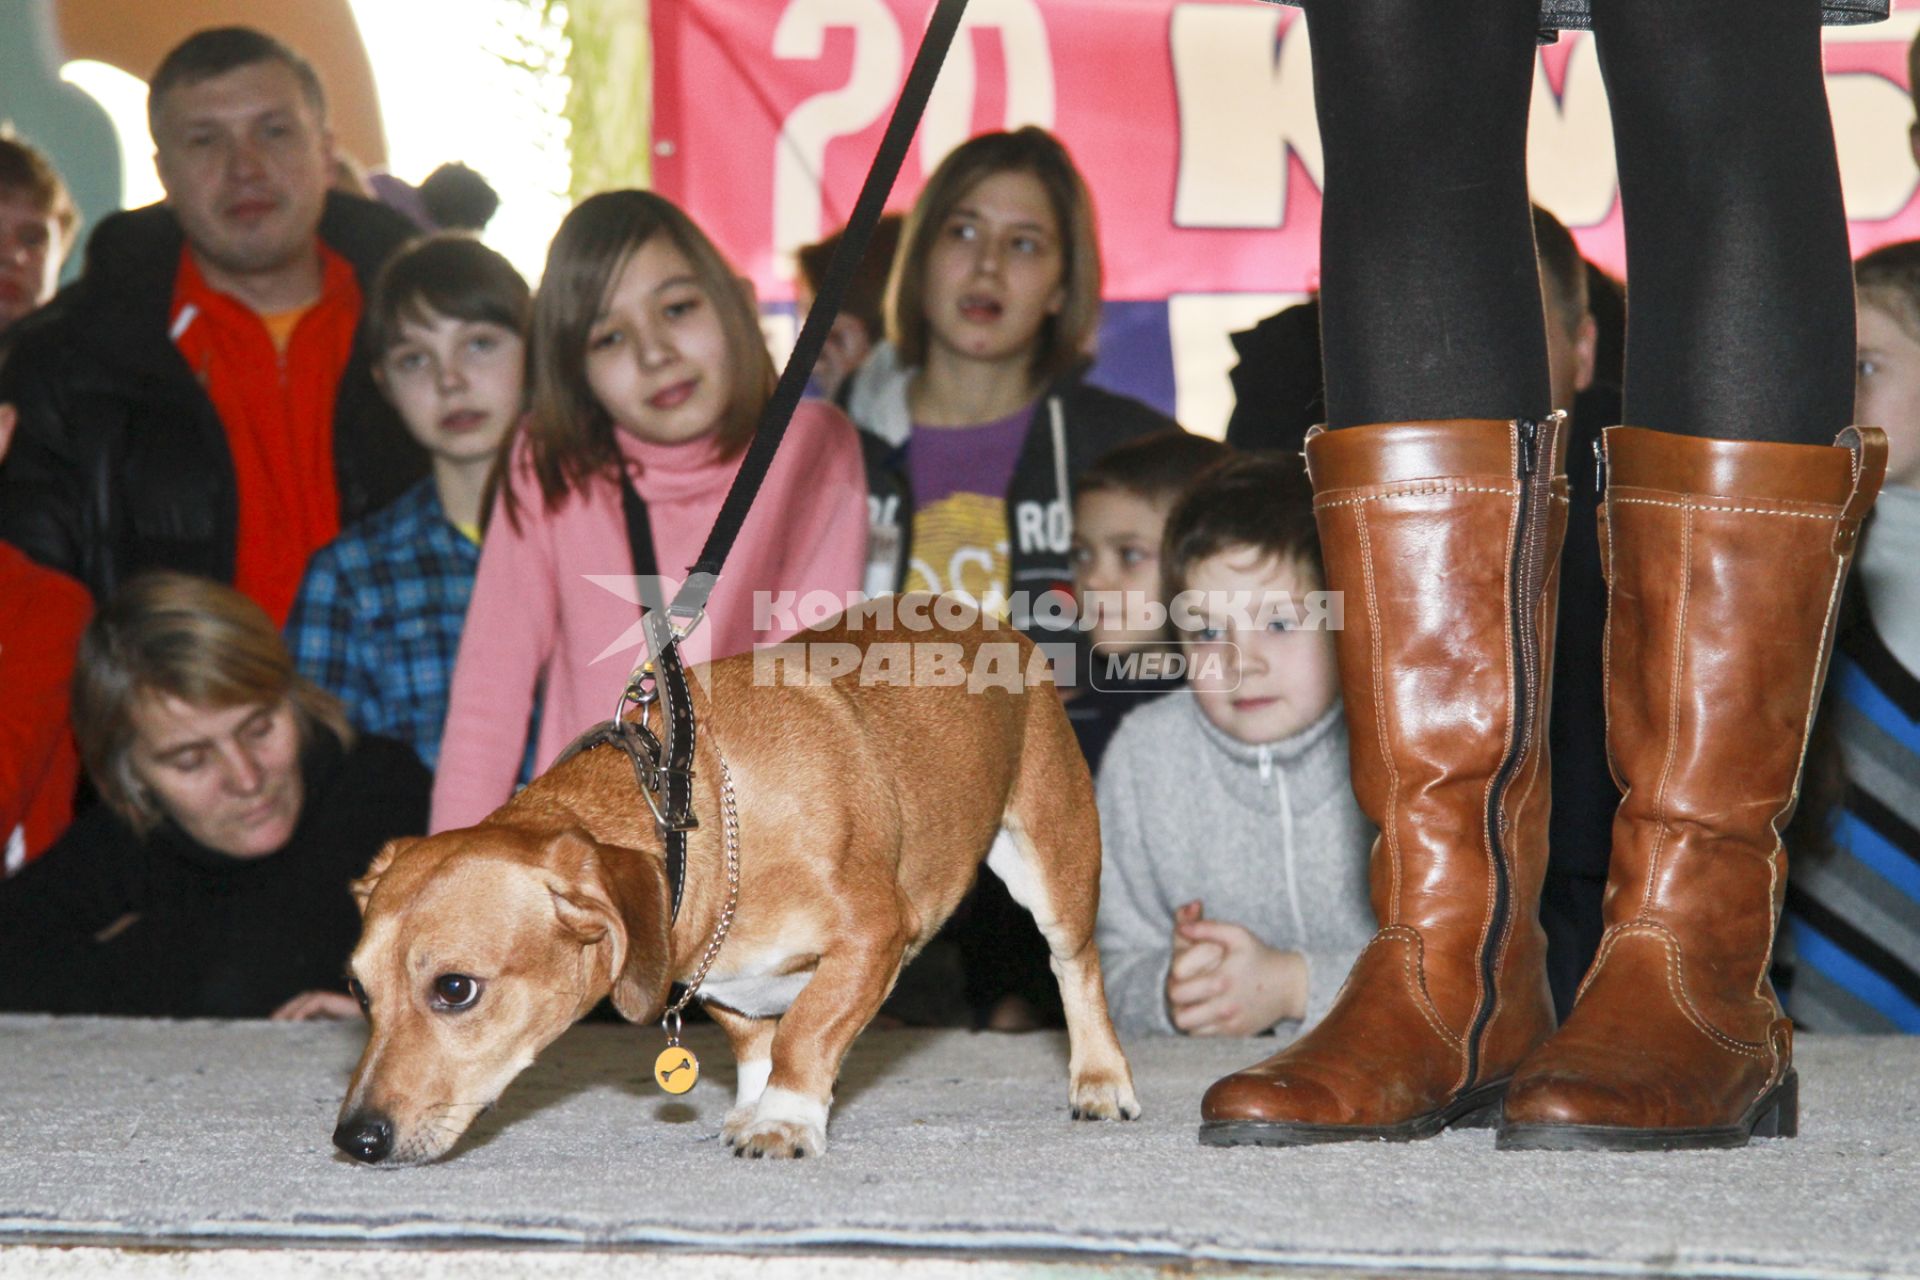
378, 618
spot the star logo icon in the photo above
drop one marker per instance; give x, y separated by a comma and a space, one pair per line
644, 592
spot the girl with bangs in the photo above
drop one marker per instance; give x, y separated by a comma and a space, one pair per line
977, 416
649, 374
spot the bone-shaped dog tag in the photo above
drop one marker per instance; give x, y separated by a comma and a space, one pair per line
676, 1068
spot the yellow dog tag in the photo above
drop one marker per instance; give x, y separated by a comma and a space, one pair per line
676, 1068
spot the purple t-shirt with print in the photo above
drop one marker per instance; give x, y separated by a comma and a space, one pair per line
960, 477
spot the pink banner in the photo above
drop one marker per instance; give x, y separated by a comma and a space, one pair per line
1192, 121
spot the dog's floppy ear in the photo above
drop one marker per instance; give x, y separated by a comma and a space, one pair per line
606, 895
363, 887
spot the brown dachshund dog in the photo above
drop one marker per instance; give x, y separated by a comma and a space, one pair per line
876, 762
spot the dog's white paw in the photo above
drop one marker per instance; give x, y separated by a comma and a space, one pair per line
780, 1140
783, 1125
1099, 1096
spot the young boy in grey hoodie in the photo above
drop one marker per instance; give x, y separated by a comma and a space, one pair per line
1233, 889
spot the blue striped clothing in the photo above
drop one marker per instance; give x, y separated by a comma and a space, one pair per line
1851, 932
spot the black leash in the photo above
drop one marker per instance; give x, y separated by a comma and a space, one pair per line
671, 778
663, 765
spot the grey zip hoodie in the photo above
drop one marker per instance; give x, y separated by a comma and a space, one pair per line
1266, 836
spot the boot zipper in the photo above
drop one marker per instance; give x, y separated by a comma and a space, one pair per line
1528, 570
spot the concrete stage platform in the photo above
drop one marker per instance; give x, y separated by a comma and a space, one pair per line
201, 1149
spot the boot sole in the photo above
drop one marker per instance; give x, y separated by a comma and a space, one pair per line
1775, 1115
1475, 1109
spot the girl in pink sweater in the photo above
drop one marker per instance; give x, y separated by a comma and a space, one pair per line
648, 368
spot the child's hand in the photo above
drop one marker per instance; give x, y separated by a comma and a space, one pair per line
1191, 960
1249, 988
311, 1006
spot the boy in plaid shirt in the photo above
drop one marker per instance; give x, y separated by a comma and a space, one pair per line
379, 614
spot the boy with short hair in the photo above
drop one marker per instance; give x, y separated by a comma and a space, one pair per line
38, 220
1233, 888
1120, 508
378, 618
45, 611
860, 327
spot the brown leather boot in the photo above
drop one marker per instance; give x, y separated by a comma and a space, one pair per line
1724, 567
1445, 539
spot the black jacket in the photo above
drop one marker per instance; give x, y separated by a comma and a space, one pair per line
1092, 421
121, 463
1278, 392
211, 936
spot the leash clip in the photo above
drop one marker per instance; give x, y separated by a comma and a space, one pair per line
642, 688
683, 619
651, 765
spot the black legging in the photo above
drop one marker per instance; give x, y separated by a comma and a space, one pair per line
1740, 299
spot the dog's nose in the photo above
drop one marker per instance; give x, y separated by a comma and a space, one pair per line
366, 1140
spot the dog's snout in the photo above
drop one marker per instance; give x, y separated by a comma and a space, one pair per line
368, 1139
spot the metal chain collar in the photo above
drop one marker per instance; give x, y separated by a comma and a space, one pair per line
731, 823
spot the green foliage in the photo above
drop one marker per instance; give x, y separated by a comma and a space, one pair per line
610, 101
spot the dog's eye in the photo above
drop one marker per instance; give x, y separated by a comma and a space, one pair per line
359, 993
455, 991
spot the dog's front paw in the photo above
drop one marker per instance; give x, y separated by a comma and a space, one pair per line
781, 1140
1103, 1097
782, 1125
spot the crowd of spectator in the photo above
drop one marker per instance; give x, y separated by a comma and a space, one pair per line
318, 527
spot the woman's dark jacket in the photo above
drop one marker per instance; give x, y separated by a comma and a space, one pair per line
211, 936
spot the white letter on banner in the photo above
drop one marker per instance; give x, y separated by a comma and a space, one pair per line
1243, 107
1870, 129
800, 155
1570, 166
1029, 88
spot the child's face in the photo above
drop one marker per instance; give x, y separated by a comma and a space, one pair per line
457, 384
1286, 678
30, 254
1116, 553
657, 357
994, 273
1887, 394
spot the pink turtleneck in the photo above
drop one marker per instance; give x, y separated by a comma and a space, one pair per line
538, 617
